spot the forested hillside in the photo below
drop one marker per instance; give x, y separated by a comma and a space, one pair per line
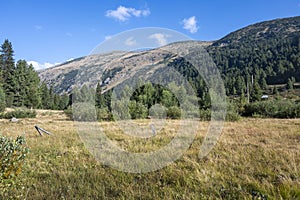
263, 54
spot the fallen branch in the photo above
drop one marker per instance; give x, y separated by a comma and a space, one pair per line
40, 130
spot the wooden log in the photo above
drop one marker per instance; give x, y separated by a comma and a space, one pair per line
41, 131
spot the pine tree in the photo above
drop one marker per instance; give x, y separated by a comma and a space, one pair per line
263, 83
45, 96
240, 85
32, 88
26, 86
2, 99
275, 91
1, 71
290, 84
63, 102
51, 98
56, 101
99, 99
8, 67
256, 92
167, 98
19, 84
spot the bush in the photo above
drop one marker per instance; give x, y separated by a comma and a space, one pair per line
140, 111
232, 113
19, 113
232, 116
174, 112
205, 114
275, 109
12, 156
85, 112
69, 112
103, 114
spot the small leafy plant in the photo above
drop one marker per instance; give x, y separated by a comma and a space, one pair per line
12, 156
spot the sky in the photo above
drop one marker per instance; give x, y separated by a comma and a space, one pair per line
48, 32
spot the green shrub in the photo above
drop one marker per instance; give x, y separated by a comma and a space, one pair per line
69, 112
274, 108
19, 113
205, 114
84, 111
103, 114
12, 156
232, 116
174, 112
138, 110
232, 113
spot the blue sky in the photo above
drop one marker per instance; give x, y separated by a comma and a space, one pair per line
52, 31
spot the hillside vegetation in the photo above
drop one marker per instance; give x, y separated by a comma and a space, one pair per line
267, 52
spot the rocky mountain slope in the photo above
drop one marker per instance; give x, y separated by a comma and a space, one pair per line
263, 31
269, 51
109, 69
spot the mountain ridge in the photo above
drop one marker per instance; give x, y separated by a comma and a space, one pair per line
249, 50
291, 24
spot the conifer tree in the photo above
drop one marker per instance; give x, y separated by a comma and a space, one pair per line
32, 90
2, 99
51, 98
256, 92
63, 102
26, 86
99, 99
8, 66
19, 84
290, 83
45, 96
1, 71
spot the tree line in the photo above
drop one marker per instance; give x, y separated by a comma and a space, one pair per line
20, 85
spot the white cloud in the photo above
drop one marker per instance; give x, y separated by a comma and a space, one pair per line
190, 24
107, 37
123, 14
160, 38
130, 41
70, 59
39, 66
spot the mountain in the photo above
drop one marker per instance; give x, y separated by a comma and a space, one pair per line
264, 53
109, 69
267, 51
287, 28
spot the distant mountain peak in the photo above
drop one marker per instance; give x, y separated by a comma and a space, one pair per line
285, 27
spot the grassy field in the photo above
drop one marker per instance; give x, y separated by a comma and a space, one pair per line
254, 159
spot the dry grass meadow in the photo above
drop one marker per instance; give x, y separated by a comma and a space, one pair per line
254, 159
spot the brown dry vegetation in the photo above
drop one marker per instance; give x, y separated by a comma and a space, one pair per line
254, 159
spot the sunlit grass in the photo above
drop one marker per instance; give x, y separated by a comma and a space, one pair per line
254, 159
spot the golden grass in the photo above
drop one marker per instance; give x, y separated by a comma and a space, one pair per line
254, 159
